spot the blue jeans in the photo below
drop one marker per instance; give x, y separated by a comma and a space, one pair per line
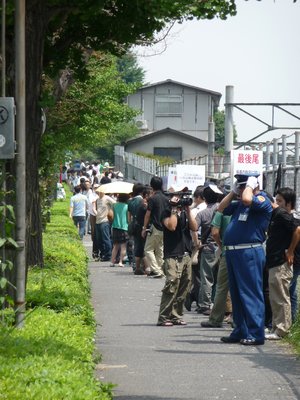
293, 293
80, 222
103, 238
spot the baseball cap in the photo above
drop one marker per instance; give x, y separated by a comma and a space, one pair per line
242, 178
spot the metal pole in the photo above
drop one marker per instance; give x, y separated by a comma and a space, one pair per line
275, 160
3, 94
268, 156
20, 159
3, 49
211, 147
297, 144
283, 137
228, 126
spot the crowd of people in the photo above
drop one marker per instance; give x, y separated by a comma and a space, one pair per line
235, 254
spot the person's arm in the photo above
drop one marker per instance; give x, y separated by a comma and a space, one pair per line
146, 223
215, 232
71, 212
171, 222
192, 221
289, 254
226, 201
247, 195
129, 216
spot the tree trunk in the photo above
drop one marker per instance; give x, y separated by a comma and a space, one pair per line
35, 33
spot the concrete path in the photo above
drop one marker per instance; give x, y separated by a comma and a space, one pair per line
147, 362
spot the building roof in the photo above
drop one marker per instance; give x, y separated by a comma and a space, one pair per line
162, 131
213, 93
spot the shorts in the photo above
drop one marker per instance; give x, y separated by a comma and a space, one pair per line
119, 235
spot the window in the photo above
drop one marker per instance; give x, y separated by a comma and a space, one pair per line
174, 152
168, 105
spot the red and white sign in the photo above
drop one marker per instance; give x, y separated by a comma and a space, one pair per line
247, 162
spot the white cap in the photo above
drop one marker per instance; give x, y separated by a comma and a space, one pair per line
178, 188
214, 188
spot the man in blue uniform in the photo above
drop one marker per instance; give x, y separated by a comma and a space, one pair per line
245, 257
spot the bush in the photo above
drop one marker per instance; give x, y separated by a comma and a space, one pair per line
52, 357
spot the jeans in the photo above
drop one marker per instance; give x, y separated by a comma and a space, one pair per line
80, 222
293, 293
103, 237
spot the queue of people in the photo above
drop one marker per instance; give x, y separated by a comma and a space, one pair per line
230, 253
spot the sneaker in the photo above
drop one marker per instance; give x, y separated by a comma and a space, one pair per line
139, 272
208, 324
272, 336
202, 310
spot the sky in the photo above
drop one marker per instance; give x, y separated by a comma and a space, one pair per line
257, 51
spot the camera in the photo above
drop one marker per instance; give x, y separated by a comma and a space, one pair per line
184, 198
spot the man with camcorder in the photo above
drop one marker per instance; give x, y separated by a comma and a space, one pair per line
177, 221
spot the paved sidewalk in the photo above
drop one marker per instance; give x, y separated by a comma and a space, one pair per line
180, 362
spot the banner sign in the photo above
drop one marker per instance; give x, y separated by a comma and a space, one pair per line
248, 162
190, 175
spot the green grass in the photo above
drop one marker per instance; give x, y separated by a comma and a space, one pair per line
53, 357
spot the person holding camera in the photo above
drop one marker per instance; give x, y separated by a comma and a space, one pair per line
177, 221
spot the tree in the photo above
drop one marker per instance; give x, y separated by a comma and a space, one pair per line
219, 119
58, 35
129, 69
90, 114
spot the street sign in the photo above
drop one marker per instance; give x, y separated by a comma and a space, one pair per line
7, 128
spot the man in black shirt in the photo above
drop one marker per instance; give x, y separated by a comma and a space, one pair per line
282, 235
157, 203
177, 222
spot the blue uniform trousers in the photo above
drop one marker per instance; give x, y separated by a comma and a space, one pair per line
245, 274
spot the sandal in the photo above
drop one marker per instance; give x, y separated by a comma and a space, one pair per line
179, 322
165, 323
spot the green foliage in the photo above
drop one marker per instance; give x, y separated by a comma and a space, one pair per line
162, 160
92, 113
52, 357
294, 336
7, 243
115, 26
129, 69
219, 119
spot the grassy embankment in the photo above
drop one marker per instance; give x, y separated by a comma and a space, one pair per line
53, 357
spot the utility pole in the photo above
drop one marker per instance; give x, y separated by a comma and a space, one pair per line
20, 96
211, 147
228, 126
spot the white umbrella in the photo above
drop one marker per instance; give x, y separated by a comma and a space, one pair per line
116, 187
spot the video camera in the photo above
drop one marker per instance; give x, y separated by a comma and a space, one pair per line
184, 198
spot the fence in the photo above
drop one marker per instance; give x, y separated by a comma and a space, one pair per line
281, 164
138, 168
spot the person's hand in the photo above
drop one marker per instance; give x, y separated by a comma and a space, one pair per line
144, 233
289, 255
252, 182
236, 188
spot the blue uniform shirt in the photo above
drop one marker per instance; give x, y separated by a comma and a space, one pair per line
248, 224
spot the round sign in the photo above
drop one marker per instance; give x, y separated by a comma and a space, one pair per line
4, 114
